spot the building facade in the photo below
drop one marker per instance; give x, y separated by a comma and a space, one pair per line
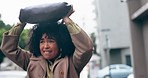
113, 32
138, 15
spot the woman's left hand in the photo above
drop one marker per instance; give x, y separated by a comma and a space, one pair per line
66, 19
71, 11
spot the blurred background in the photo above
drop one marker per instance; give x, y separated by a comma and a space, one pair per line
118, 29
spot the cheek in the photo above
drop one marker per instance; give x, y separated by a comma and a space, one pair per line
41, 47
55, 47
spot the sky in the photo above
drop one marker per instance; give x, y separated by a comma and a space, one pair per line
83, 15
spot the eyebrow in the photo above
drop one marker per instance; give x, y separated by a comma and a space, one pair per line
48, 38
41, 39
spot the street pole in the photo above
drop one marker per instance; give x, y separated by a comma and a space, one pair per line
107, 49
108, 53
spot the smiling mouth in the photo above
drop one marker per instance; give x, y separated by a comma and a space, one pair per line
47, 51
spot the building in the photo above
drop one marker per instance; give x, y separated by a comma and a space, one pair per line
138, 15
113, 32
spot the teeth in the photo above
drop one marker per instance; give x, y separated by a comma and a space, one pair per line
47, 51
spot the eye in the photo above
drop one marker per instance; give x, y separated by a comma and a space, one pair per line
51, 40
42, 41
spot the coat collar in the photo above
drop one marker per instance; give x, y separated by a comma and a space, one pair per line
43, 62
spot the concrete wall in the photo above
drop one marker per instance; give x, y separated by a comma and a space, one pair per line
138, 10
114, 16
113, 23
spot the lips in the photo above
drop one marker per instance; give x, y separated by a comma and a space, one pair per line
47, 51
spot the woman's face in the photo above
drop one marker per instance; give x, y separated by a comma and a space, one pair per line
48, 47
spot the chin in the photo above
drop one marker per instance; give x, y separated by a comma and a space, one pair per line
47, 57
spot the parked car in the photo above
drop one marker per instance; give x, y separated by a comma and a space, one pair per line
131, 75
13, 74
115, 71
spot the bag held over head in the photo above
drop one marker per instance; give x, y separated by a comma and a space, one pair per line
51, 12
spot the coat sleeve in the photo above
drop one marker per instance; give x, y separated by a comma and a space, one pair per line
83, 51
11, 50
83, 44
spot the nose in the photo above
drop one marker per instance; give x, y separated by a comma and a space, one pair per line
46, 45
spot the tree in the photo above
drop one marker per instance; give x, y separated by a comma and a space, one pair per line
93, 37
23, 38
2, 24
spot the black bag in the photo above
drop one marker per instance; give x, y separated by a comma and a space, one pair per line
51, 12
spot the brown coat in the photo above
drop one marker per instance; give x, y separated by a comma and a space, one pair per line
67, 67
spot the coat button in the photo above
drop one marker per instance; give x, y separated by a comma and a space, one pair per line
61, 72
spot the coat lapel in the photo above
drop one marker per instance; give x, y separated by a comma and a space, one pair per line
43, 64
60, 68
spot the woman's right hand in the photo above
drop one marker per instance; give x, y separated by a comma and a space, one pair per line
22, 24
17, 28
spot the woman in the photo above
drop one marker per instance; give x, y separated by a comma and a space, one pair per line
54, 50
